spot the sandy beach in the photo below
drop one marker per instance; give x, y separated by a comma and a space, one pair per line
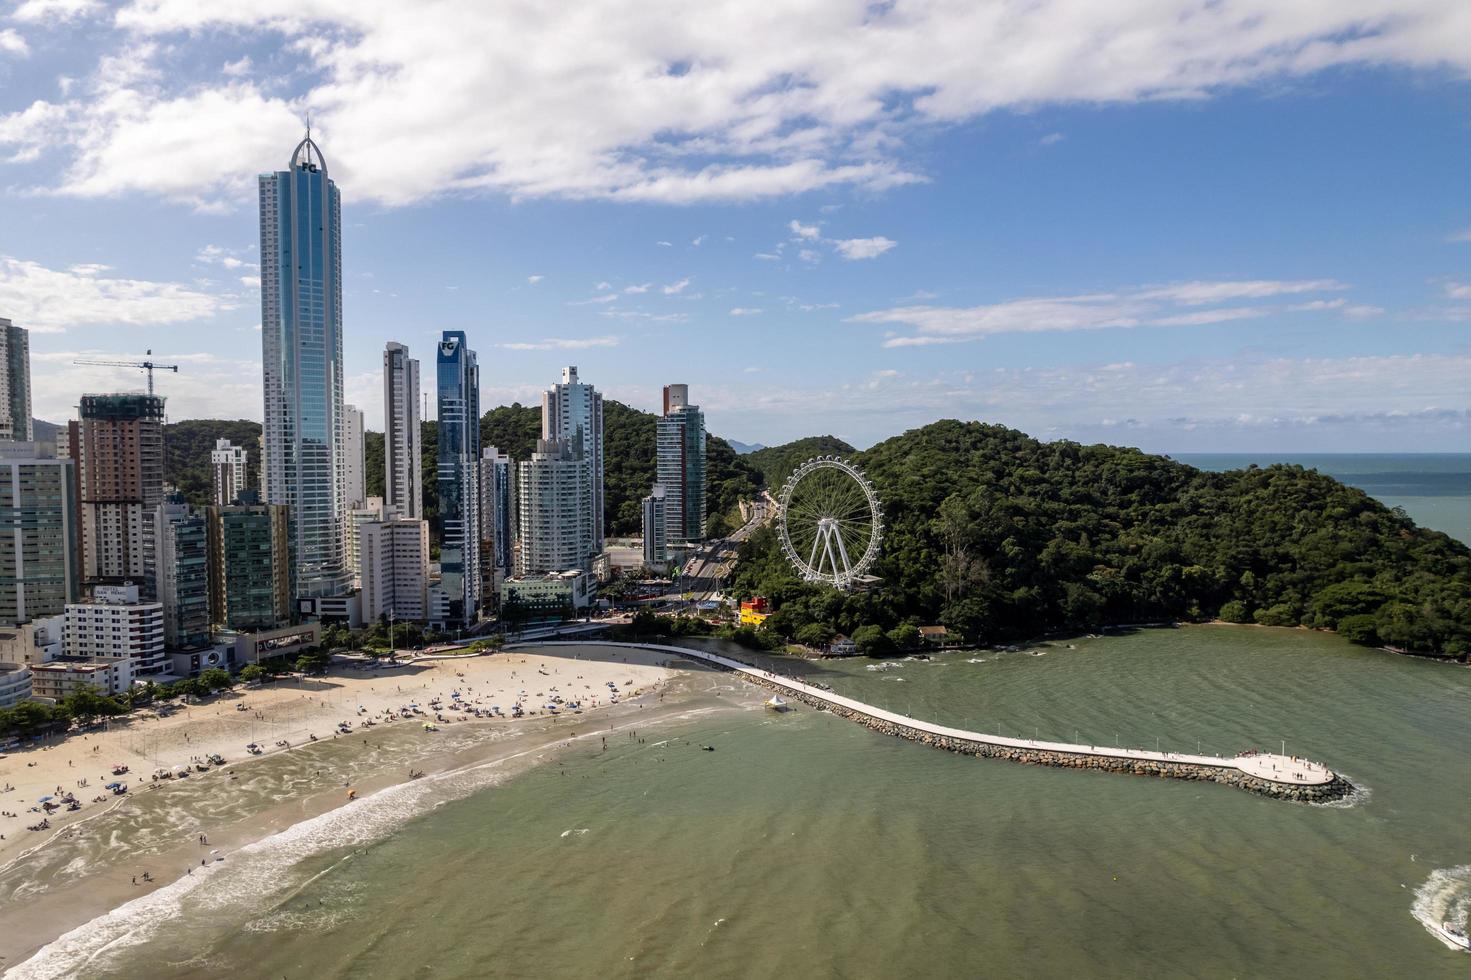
286, 714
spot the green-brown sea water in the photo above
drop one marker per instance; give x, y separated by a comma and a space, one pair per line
805, 845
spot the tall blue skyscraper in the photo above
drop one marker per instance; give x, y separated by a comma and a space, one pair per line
301, 345
459, 476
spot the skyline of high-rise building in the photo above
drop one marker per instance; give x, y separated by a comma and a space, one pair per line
118, 447
497, 503
655, 510
403, 476
249, 564
354, 476
458, 475
301, 347
572, 412
550, 502
15, 383
395, 569
39, 571
681, 466
227, 463
181, 572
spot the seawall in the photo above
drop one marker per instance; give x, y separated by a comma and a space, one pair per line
1279, 777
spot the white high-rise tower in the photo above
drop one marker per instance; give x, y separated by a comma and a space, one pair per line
403, 475
572, 414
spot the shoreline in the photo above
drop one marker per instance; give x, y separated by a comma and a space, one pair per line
43, 915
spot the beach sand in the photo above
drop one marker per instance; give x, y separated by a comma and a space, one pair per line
291, 711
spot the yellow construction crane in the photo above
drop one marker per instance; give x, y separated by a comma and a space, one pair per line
147, 365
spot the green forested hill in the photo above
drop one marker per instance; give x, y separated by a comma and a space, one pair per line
1000, 536
187, 446
777, 462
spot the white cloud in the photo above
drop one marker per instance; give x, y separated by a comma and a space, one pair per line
746, 311
602, 286
804, 231
1464, 235
1051, 139
252, 281
533, 280
48, 300
219, 255
1457, 290
1195, 293
628, 101
237, 69
663, 244
559, 343
1404, 400
675, 288
1141, 306
206, 386
698, 241
11, 42
640, 288
863, 248
767, 257
50, 11
605, 298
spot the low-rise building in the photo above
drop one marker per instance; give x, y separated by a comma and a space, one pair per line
116, 624
15, 684
939, 637
66, 675
287, 641
557, 595
842, 646
755, 611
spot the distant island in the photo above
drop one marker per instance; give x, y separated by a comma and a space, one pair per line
1001, 537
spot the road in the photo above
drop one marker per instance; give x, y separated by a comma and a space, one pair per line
703, 575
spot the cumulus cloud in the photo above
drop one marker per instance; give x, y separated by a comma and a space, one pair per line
863, 248
804, 231
1401, 400
53, 11
11, 42
1152, 306
560, 343
50, 300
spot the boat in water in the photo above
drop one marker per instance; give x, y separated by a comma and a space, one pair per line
775, 703
1452, 935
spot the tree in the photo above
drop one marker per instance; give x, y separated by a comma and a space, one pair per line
904, 637
86, 704
214, 679
871, 641
251, 673
815, 635
1359, 629
1235, 612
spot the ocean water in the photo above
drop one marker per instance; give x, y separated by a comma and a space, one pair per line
1433, 488
805, 845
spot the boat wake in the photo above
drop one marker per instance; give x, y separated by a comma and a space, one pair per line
1444, 898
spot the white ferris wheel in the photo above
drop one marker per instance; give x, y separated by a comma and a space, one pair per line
830, 523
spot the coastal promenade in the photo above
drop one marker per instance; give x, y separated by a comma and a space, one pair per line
1268, 774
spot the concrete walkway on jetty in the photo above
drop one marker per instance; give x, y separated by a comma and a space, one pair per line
1274, 774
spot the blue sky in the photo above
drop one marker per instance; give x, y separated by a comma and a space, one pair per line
1231, 226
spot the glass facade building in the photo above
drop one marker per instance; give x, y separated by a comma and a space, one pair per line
304, 462
403, 474
681, 466
181, 576
249, 566
458, 476
15, 382
38, 535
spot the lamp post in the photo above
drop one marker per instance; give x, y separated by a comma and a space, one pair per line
390, 634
